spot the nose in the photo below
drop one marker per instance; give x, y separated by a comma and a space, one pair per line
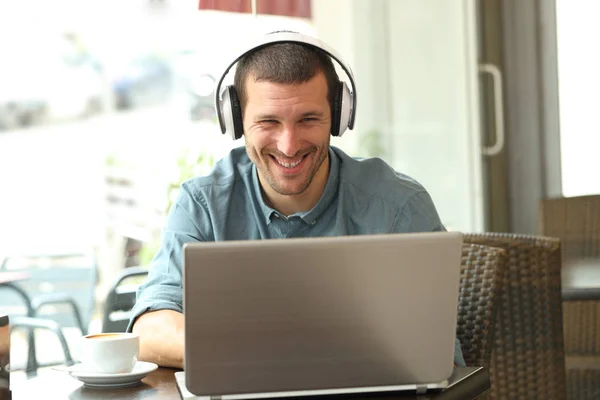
288, 141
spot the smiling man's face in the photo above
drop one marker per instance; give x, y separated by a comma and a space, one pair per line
286, 128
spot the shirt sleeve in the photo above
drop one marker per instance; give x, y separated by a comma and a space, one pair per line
188, 221
420, 215
459, 359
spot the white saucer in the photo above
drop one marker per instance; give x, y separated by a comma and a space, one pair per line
92, 379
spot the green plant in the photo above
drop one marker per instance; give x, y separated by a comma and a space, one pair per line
371, 144
189, 164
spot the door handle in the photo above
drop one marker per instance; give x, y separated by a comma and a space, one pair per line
496, 75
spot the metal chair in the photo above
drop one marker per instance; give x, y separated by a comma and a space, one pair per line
58, 294
120, 300
481, 279
528, 360
29, 323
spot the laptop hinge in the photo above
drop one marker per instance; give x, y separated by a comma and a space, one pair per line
421, 389
216, 398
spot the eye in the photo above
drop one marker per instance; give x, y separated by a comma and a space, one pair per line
267, 121
309, 119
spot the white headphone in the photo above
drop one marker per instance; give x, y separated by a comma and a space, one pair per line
227, 104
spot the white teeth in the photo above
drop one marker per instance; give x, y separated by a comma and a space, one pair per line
289, 165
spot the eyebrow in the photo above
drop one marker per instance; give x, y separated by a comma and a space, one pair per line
261, 117
312, 114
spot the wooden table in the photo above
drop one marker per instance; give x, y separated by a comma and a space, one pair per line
161, 384
12, 277
581, 279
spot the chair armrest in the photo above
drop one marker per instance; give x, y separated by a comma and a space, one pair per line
41, 323
23, 295
58, 298
129, 273
50, 298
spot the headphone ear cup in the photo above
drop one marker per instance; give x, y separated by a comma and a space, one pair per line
335, 110
345, 109
231, 114
236, 113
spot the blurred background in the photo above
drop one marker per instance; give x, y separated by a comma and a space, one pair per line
107, 106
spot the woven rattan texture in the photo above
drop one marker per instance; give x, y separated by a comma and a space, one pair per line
528, 352
584, 384
481, 279
576, 222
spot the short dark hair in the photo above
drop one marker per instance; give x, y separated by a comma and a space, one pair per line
286, 63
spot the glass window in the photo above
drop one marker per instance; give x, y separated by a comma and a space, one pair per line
579, 85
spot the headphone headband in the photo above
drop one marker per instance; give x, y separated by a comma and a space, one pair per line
289, 37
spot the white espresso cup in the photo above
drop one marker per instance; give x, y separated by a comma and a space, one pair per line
109, 353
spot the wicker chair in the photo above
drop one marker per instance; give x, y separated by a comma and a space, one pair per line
576, 222
481, 279
528, 352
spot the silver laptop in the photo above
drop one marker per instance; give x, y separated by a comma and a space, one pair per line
310, 316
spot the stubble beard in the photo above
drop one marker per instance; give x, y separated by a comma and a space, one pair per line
265, 171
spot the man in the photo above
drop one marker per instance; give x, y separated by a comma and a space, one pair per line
287, 182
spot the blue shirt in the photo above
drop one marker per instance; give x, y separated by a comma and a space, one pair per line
361, 197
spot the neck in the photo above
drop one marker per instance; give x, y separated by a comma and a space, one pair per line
305, 201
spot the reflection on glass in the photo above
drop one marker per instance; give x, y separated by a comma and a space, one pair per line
122, 109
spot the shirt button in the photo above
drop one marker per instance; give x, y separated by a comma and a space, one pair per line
313, 222
276, 215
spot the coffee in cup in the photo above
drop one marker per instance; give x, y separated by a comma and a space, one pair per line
109, 353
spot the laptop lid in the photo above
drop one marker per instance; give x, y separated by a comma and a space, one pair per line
463, 377
358, 313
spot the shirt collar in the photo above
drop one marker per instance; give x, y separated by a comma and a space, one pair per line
266, 210
326, 198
